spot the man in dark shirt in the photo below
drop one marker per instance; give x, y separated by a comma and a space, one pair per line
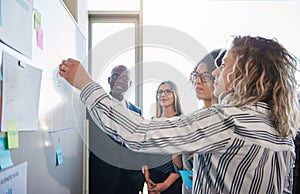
108, 162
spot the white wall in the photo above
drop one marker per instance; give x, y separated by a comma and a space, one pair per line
78, 9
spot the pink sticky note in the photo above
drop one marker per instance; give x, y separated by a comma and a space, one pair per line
39, 38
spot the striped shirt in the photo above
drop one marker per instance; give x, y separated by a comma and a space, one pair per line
237, 150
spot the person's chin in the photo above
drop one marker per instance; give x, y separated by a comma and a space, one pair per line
201, 95
117, 95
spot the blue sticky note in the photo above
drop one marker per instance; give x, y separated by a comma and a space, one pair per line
5, 159
185, 174
59, 156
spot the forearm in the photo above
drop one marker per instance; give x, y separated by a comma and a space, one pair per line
177, 161
102, 109
146, 172
158, 135
120, 123
161, 135
171, 179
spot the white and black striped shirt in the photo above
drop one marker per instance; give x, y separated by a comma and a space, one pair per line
237, 150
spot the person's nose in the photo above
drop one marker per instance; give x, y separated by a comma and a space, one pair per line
199, 80
163, 93
120, 80
216, 73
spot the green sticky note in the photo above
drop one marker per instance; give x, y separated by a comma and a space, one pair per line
12, 134
37, 19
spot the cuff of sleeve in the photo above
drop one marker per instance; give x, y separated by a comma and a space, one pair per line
91, 91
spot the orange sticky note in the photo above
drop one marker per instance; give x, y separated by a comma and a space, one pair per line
12, 134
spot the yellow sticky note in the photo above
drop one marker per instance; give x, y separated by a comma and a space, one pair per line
12, 134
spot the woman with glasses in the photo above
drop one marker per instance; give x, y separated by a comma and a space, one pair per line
203, 83
164, 179
202, 78
244, 144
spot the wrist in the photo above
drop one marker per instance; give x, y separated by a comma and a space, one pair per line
165, 185
84, 83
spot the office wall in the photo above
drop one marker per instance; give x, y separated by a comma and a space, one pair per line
78, 9
61, 115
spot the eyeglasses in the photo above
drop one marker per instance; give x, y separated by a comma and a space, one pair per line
120, 77
205, 77
167, 92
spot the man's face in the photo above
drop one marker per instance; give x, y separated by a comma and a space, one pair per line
223, 79
119, 82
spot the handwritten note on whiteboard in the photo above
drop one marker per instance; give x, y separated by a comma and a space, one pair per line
20, 93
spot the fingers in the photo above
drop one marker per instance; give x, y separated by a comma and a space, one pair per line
71, 69
66, 69
72, 60
151, 183
63, 67
66, 65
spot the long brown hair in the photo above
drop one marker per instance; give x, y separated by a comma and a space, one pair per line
265, 72
177, 102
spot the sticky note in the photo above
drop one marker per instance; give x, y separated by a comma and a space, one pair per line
5, 159
39, 38
185, 174
59, 156
12, 134
37, 19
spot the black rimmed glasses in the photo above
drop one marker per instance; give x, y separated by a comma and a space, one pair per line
205, 77
167, 92
120, 77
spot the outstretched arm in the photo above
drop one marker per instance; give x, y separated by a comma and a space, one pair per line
158, 135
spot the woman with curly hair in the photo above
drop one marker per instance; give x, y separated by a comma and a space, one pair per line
244, 144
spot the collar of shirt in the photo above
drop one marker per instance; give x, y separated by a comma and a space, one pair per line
123, 102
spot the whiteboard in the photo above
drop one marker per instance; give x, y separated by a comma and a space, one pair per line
62, 38
16, 28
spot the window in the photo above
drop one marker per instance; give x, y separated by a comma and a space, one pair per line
114, 37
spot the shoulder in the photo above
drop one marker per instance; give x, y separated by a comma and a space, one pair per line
134, 108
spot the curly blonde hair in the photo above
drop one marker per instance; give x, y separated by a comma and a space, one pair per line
265, 72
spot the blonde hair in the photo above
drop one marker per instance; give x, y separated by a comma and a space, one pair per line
265, 72
177, 102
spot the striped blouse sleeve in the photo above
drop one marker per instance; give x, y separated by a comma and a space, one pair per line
199, 130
